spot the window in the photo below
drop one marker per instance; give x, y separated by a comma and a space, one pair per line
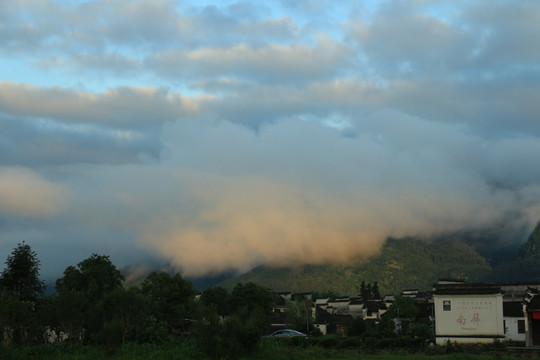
446, 305
521, 326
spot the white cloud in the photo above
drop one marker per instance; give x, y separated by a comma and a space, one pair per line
24, 192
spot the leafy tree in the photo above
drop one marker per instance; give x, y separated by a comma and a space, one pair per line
296, 315
171, 298
250, 309
251, 297
404, 310
16, 317
80, 293
94, 276
402, 307
125, 310
217, 296
21, 275
67, 313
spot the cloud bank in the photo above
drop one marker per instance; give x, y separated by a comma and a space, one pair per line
226, 135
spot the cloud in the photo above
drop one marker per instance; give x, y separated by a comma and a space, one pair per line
323, 197
24, 192
269, 64
120, 107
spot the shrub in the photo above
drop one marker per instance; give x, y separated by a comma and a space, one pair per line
329, 341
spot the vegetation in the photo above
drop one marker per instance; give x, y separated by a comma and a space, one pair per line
526, 266
20, 279
324, 348
93, 315
401, 264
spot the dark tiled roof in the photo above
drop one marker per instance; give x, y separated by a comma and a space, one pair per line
325, 317
374, 305
534, 304
466, 289
513, 309
339, 300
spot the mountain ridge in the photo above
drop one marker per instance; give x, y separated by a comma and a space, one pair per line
401, 264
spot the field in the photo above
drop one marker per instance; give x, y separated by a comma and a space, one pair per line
269, 350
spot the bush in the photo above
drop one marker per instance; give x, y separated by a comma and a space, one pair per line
109, 337
357, 327
152, 332
351, 342
420, 330
370, 343
329, 341
231, 338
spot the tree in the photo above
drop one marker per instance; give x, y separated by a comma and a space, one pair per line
403, 307
21, 275
296, 315
251, 297
404, 311
94, 276
67, 314
171, 298
80, 293
127, 309
250, 308
375, 291
218, 297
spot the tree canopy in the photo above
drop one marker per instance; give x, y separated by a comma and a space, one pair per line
21, 275
94, 276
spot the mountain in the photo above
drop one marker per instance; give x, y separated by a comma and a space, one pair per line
526, 266
401, 264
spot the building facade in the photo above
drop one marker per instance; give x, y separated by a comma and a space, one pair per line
468, 313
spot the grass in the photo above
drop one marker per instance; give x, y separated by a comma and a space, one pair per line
268, 350
278, 350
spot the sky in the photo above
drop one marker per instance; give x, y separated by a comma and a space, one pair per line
219, 135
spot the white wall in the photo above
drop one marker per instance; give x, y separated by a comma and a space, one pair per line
468, 318
512, 334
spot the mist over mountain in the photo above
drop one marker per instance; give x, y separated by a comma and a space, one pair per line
409, 263
525, 266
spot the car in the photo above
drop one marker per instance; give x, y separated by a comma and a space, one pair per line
285, 333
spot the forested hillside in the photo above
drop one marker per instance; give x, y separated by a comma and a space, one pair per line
401, 264
526, 267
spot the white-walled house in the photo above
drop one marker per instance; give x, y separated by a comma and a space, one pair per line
468, 313
514, 321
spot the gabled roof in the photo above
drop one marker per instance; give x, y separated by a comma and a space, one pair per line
466, 289
374, 305
325, 317
534, 303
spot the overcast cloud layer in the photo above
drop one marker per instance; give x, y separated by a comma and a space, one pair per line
221, 135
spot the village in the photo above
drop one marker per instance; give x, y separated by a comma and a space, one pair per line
457, 311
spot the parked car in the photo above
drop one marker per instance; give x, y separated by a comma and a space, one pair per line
286, 333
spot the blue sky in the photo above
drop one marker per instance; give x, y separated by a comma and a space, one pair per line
221, 135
